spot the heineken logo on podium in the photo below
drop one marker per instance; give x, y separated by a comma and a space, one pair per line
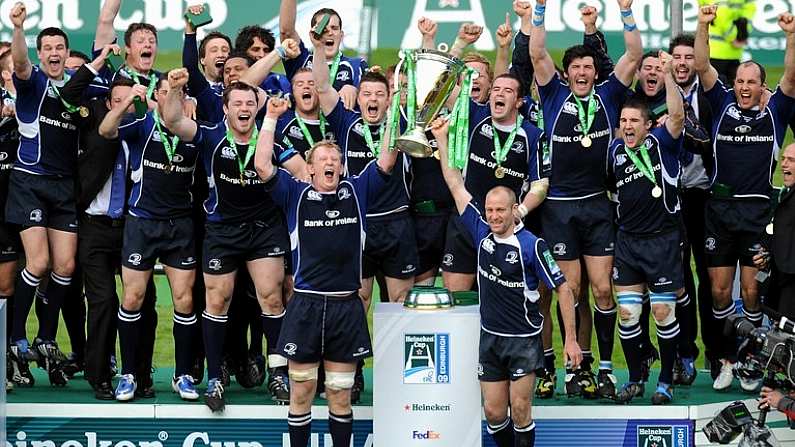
426, 358
662, 436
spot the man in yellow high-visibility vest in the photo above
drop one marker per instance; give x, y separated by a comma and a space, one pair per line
728, 35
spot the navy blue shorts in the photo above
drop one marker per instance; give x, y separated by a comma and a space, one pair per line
573, 228
229, 246
147, 240
654, 260
390, 247
318, 327
508, 358
41, 201
733, 230
459, 249
430, 231
10, 244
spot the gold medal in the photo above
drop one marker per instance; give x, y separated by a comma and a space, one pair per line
769, 228
167, 169
586, 141
436, 154
656, 192
499, 172
242, 179
84, 111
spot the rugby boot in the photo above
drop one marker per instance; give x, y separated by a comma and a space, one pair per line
214, 396
224, 377
687, 373
52, 359
72, 365
9, 386
645, 364
545, 386
278, 385
19, 371
677, 372
587, 381
125, 389
606, 384
725, 377
183, 385
629, 391
663, 395
571, 385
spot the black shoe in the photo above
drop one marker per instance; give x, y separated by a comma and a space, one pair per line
214, 397
252, 374
278, 385
145, 388
663, 395
52, 359
545, 386
103, 391
629, 391
587, 381
358, 387
606, 384
73, 365
225, 378
19, 369
645, 364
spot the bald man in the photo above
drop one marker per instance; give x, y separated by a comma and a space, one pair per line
781, 240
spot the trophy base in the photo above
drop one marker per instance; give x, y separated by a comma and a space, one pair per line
415, 144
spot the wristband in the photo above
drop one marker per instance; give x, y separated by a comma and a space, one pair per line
281, 52
523, 211
538, 15
629, 20
269, 124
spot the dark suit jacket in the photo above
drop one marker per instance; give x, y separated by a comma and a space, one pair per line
783, 245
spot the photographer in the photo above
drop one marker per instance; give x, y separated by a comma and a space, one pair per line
775, 399
781, 260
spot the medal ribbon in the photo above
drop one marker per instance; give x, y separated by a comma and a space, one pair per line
252, 147
586, 116
335, 66
644, 166
169, 146
368, 137
459, 124
69, 107
305, 130
152, 81
501, 152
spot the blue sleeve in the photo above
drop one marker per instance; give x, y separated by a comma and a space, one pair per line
104, 78
539, 259
670, 148
526, 110
369, 183
477, 113
719, 97
613, 94
284, 189
339, 119
291, 66
474, 223
521, 67
197, 83
132, 129
29, 95
534, 152
552, 97
363, 67
783, 109
210, 105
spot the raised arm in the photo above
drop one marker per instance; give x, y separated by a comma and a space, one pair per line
109, 127
183, 127
325, 91
504, 35
105, 33
388, 156
787, 83
19, 46
452, 176
263, 158
673, 98
428, 29
520, 59
287, 21
595, 40
468, 34
706, 72
542, 62
257, 73
72, 91
628, 64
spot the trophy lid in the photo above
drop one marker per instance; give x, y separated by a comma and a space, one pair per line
428, 298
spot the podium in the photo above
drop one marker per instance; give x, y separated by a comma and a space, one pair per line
425, 383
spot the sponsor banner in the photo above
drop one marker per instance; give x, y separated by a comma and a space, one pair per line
230, 432
79, 17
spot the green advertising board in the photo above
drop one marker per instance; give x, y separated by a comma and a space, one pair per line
395, 22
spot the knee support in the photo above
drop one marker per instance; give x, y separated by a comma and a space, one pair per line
303, 375
667, 300
336, 380
630, 306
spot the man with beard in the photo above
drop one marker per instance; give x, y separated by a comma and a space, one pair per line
243, 225
577, 219
41, 195
746, 141
257, 42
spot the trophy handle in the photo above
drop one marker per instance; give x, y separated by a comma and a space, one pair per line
396, 80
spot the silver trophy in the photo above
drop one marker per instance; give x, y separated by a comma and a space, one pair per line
436, 76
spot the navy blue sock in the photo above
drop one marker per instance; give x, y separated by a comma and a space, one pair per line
683, 315
341, 428
183, 330
604, 322
668, 338
502, 433
129, 334
25, 292
300, 428
214, 330
644, 326
630, 336
549, 360
271, 327
525, 436
57, 289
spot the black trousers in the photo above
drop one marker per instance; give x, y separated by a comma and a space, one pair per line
781, 294
693, 205
99, 255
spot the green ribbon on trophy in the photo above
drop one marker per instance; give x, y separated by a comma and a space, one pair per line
411, 97
459, 124
586, 118
644, 166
